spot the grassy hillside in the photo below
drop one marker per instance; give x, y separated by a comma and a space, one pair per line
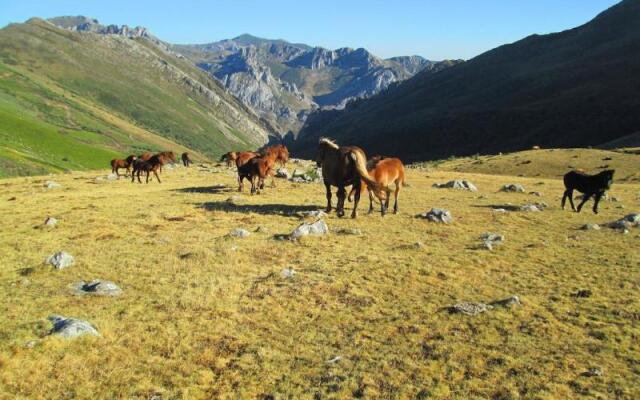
207, 316
569, 89
74, 100
549, 163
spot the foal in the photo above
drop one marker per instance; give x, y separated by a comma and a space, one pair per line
256, 169
230, 158
186, 161
153, 164
384, 171
126, 164
590, 185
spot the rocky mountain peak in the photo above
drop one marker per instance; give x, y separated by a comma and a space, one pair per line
85, 24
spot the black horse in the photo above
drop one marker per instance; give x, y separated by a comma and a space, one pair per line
590, 185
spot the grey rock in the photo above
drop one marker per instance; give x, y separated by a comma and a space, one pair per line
111, 177
513, 187
287, 273
98, 287
239, 233
31, 344
70, 328
590, 227
592, 372
627, 222
457, 184
283, 173
491, 239
349, 231
52, 185
506, 302
60, 260
537, 194
50, 222
334, 360
312, 214
469, 308
315, 229
438, 215
531, 208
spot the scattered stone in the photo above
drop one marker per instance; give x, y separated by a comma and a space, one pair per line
593, 371
288, 272
70, 328
60, 260
457, 184
236, 200
349, 231
531, 208
98, 288
52, 185
50, 222
491, 239
283, 173
317, 228
312, 214
513, 187
111, 177
31, 344
262, 229
239, 233
469, 308
334, 360
537, 194
582, 293
507, 302
625, 223
438, 215
590, 227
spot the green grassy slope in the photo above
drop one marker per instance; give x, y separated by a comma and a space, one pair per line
72, 101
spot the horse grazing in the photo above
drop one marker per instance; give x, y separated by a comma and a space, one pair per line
590, 185
230, 158
343, 166
126, 164
384, 171
153, 164
255, 170
186, 160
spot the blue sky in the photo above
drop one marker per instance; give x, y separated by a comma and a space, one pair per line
433, 29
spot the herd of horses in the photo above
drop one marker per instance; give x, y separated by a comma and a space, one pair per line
342, 166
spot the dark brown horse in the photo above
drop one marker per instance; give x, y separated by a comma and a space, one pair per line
255, 170
153, 164
230, 158
343, 166
590, 185
126, 164
186, 160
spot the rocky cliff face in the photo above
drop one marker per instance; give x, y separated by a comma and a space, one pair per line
84, 24
284, 82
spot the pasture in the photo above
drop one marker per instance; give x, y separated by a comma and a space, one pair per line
204, 315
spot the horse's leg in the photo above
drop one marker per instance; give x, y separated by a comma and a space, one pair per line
133, 176
356, 199
328, 188
564, 198
240, 177
596, 201
139, 172
157, 177
342, 195
584, 200
370, 201
395, 202
573, 207
147, 172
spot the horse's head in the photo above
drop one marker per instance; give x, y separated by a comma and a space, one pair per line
608, 177
324, 145
171, 156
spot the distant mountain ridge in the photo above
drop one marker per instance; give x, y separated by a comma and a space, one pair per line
284, 82
574, 88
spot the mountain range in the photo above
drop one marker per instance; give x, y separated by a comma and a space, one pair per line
574, 88
284, 82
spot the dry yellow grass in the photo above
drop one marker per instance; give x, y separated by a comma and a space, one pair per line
206, 316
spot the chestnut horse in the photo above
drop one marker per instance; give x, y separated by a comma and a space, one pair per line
255, 170
153, 164
126, 164
384, 171
343, 166
186, 160
230, 158
281, 151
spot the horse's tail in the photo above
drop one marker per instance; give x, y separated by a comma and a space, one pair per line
361, 167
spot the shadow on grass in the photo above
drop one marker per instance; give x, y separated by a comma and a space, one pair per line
206, 189
266, 209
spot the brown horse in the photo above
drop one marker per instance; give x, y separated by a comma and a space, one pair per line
255, 170
230, 158
126, 164
186, 160
384, 171
153, 164
343, 166
281, 152
145, 156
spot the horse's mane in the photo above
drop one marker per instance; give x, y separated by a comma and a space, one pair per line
329, 142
